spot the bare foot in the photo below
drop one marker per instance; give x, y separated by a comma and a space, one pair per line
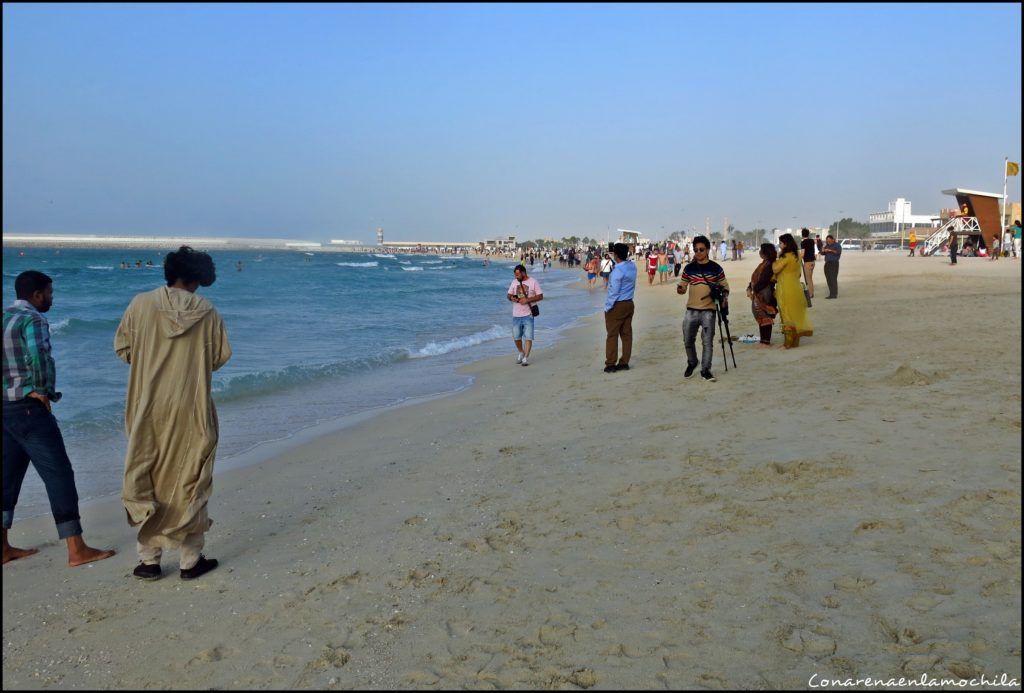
88, 555
80, 553
12, 554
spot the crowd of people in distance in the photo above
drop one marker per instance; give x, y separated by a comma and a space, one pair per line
780, 287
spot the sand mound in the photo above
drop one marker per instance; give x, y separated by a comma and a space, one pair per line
905, 375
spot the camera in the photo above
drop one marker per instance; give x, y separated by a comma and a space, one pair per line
717, 293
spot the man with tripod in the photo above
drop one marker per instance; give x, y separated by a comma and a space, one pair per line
699, 277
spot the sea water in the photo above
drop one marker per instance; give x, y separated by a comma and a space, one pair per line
316, 337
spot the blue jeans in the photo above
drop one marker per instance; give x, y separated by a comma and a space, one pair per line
31, 434
522, 328
693, 320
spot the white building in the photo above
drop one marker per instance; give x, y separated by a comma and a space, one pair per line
343, 242
898, 219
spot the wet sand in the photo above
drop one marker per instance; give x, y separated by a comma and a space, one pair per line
850, 508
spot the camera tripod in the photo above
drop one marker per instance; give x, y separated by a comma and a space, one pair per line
723, 320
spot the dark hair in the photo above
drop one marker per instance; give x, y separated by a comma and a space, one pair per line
29, 282
519, 268
805, 232
703, 240
830, 236
190, 266
788, 244
769, 252
621, 250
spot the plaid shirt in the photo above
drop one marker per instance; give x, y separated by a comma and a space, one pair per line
28, 365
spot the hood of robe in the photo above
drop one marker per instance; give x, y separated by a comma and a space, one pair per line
180, 310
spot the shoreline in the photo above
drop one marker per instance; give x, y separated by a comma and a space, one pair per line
34, 504
557, 527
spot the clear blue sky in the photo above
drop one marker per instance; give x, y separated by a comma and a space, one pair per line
462, 122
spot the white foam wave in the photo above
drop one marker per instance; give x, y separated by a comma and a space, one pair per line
438, 348
389, 256
432, 262
100, 267
356, 264
58, 327
404, 262
412, 269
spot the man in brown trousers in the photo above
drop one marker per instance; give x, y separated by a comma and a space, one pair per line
618, 311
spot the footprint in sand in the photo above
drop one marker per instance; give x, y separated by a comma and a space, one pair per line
852, 583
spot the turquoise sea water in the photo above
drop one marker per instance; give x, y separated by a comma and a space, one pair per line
315, 337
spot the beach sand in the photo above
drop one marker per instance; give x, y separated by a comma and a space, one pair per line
848, 509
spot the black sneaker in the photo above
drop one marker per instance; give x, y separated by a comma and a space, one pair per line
706, 375
689, 370
202, 567
610, 369
147, 571
622, 367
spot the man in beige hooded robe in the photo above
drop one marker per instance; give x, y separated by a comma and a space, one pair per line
173, 340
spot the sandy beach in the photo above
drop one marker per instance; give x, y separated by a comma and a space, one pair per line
847, 509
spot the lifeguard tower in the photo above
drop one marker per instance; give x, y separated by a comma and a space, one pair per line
981, 222
630, 238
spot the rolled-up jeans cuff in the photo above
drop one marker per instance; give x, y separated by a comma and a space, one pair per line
70, 528
8, 518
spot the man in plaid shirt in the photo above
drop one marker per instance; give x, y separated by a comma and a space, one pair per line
30, 430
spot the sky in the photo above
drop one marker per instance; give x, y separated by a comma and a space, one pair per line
465, 122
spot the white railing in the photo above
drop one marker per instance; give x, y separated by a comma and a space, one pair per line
961, 225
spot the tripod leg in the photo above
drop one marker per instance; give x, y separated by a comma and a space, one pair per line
721, 334
729, 335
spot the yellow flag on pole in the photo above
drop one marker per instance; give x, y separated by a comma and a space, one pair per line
1012, 169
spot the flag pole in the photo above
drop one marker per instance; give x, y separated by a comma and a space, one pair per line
1002, 219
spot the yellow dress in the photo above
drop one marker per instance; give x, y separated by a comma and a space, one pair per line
790, 296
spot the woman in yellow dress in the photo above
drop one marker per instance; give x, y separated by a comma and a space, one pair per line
789, 293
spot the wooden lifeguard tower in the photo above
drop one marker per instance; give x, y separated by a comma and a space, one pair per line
981, 222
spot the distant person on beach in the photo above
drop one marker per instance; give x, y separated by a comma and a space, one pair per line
524, 291
592, 268
173, 340
618, 311
723, 250
993, 248
1007, 244
808, 248
1016, 239
832, 252
789, 293
912, 239
677, 259
662, 265
761, 292
698, 277
606, 268
964, 212
31, 433
652, 266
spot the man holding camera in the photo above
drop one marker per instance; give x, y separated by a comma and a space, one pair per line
706, 282
524, 291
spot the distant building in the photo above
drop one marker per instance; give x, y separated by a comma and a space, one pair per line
502, 244
340, 242
898, 219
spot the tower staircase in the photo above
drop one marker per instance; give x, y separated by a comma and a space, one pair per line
963, 226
